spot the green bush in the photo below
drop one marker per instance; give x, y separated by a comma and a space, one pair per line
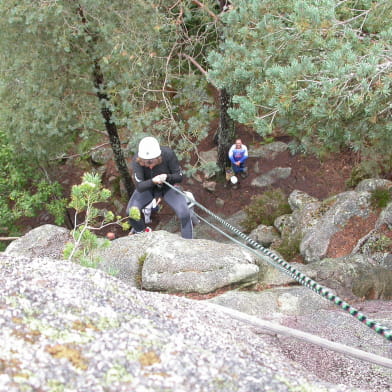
289, 247
380, 197
366, 169
25, 189
264, 209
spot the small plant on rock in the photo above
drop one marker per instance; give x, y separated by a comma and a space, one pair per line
264, 209
84, 197
381, 244
380, 197
366, 169
289, 247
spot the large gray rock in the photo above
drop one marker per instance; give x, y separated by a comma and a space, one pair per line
174, 264
69, 328
354, 277
264, 235
299, 200
385, 217
274, 175
336, 325
162, 261
371, 184
270, 276
303, 309
274, 304
204, 231
124, 258
343, 207
43, 241
267, 151
307, 212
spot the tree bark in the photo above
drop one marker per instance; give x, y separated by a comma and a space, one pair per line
104, 100
111, 129
226, 130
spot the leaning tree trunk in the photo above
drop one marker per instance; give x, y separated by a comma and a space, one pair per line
104, 100
111, 129
226, 130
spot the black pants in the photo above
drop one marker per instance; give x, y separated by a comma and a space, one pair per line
175, 200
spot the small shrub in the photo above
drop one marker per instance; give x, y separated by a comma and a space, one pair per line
381, 244
138, 279
264, 209
380, 197
366, 169
289, 246
84, 197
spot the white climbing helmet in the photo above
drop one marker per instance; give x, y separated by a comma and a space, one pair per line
233, 180
149, 148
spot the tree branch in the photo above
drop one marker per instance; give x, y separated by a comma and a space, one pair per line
201, 5
194, 62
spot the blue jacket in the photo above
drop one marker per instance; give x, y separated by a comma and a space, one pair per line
236, 155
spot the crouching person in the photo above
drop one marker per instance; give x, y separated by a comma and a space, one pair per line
152, 166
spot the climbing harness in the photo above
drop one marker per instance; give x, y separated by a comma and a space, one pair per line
284, 266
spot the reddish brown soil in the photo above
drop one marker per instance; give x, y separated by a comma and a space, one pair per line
343, 242
319, 178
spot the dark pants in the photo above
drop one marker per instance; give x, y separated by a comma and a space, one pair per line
239, 169
175, 200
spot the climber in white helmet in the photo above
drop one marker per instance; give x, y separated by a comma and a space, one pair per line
152, 166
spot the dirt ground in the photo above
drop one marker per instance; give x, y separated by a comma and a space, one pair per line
318, 178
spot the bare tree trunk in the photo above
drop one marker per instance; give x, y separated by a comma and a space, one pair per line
226, 130
107, 114
111, 129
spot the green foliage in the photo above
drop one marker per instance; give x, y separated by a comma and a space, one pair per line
289, 247
366, 169
317, 69
138, 277
142, 47
264, 209
82, 250
84, 198
380, 197
381, 244
23, 190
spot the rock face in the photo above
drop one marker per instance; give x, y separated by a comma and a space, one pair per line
274, 175
342, 208
176, 265
43, 241
78, 329
162, 261
268, 151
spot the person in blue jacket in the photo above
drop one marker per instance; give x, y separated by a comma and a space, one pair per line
238, 154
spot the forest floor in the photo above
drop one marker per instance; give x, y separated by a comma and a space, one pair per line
319, 178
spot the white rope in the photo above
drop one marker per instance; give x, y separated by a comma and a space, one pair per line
307, 337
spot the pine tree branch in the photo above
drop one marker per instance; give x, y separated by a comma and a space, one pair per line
194, 62
201, 5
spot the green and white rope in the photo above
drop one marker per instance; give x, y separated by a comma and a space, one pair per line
286, 267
